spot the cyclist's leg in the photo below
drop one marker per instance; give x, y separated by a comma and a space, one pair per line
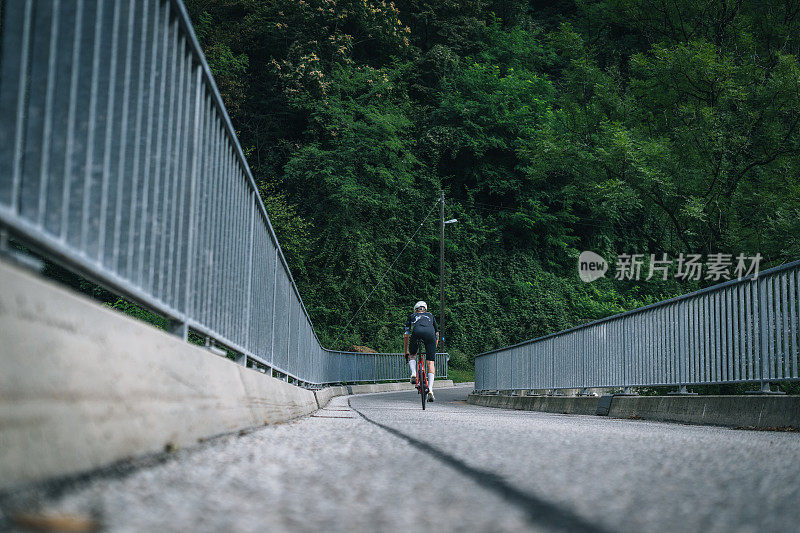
430, 358
413, 348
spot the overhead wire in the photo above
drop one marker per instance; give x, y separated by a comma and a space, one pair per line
476, 205
383, 276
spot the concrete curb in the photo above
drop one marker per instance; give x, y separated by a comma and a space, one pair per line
736, 411
84, 386
324, 395
573, 405
733, 411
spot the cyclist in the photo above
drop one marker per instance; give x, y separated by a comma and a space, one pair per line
421, 326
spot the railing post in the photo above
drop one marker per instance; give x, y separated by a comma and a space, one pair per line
288, 306
625, 339
584, 360
248, 307
188, 300
274, 294
511, 369
683, 356
627, 343
496, 357
763, 345
763, 337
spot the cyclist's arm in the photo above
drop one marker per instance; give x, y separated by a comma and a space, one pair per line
405, 343
436, 329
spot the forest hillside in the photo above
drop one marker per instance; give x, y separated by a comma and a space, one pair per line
553, 127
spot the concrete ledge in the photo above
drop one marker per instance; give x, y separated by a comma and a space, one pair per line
82, 386
323, 396
573, 405
748, 411
736, 411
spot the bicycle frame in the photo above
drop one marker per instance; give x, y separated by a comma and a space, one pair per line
422, 377
422, 373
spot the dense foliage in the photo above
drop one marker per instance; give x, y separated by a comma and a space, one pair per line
552, 126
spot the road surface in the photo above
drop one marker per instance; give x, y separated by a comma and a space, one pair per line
379, 463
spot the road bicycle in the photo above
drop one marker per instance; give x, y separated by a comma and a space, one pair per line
422, 376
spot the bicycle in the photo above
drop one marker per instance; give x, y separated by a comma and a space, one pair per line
422, 376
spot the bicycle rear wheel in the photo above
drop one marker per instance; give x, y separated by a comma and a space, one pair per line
422, 380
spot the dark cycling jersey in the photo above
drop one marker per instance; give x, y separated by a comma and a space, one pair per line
421, 321
423, 328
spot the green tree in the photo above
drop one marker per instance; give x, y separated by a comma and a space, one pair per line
554, 127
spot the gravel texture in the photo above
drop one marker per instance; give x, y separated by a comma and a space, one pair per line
329, 472
373, 466
623, 475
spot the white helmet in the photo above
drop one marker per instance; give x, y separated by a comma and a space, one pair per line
420, 304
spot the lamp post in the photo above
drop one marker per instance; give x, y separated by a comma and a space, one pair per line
441, 264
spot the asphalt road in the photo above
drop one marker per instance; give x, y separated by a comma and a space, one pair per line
379, 463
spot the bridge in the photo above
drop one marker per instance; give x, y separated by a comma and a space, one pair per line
113, 142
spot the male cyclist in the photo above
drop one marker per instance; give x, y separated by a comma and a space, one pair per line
421, 327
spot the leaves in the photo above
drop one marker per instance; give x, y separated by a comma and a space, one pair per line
610, 125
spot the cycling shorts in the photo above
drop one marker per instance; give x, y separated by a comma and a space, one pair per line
426, 336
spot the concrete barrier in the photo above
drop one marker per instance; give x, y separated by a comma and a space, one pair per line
82, 386
574, 405
747, 411
736, 411
323, 396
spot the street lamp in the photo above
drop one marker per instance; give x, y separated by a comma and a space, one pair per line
441, 263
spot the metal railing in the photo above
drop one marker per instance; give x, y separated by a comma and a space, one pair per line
741, 331
118, 160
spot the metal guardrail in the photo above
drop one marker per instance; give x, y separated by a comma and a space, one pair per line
118, 160
740, 331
